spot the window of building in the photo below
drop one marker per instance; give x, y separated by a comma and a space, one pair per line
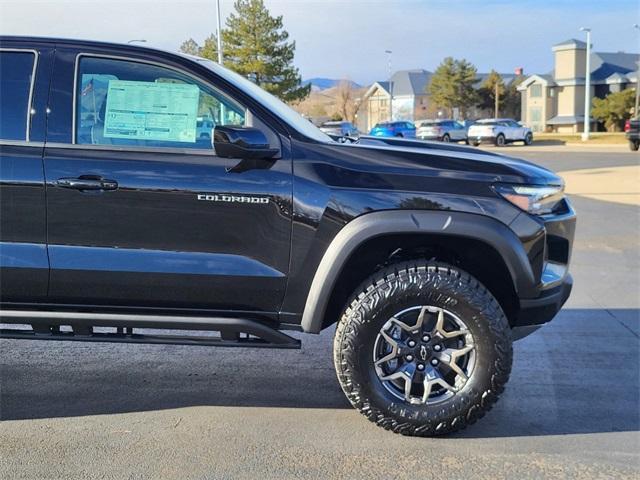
120, 102
535, 90
535, 114
15, 93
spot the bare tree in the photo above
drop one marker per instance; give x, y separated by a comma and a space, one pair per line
347, 102
344, 98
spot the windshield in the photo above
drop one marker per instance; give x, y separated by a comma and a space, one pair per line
281, 109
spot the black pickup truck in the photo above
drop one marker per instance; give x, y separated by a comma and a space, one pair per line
632, 132
144, 190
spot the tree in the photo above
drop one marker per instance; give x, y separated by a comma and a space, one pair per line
210, 48
256, 46
347, 102
512, 103
614, 109
452, 85
344, 98
190, 46
487, 93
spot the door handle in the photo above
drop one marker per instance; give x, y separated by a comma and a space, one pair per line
87, 183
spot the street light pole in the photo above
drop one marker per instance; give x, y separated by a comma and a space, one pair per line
219, 35
587, 87
636, 114
389, 52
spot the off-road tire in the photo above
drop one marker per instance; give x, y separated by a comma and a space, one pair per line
422, 283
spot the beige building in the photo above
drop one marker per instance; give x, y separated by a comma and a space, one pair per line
410, 98
411, 101
555, 101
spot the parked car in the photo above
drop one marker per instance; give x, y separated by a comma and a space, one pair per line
340, 129
499, 131
394, 129
442, 130
429, 265
632, 132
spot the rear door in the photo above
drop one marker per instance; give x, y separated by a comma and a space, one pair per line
518, 129
24, 82
458, 130
142, 213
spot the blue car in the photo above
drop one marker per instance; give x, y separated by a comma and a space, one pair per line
394, 129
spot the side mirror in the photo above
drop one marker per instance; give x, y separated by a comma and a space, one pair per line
232, 141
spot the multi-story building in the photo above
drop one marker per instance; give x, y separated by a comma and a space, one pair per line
555, 101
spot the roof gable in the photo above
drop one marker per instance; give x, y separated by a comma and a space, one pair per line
410, 82
570, 44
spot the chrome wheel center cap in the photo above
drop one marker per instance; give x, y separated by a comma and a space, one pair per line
423, 352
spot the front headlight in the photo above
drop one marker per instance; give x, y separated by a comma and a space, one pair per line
535, 199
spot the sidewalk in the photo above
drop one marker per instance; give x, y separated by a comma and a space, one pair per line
609, 184
568, 147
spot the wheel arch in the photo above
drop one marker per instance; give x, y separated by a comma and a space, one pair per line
478, 236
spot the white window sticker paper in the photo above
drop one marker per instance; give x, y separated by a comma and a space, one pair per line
151, 111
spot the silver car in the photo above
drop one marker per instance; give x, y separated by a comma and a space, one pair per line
442, 130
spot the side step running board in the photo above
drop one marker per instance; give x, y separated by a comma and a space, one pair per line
234, 332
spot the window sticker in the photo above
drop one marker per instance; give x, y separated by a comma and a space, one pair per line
151, 111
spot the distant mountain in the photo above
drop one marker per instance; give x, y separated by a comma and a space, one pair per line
324, 83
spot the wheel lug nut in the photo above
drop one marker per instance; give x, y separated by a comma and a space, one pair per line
426, 338
437, 348
434, 362
411, 343
420, 366
409, 358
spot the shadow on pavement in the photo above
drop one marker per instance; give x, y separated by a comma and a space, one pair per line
579, 374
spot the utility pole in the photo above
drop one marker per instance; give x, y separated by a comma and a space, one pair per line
636, 114
587, 87
389, 52
497, 95
219, 34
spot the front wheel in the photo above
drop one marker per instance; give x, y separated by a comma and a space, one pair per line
500, 140
423, 349
633, 145
446, 138
528, 139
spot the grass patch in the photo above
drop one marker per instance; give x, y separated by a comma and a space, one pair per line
598, 137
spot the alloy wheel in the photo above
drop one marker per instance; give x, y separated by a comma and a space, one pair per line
424, 355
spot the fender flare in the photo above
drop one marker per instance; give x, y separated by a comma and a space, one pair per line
366, 227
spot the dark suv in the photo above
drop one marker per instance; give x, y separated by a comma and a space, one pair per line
119, 214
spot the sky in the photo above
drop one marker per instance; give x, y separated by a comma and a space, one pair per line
348, 38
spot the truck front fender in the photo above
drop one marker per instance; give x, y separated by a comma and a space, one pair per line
431, 222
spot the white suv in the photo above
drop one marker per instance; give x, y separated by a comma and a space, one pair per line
499, 131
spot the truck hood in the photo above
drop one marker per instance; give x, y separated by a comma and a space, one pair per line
449, 160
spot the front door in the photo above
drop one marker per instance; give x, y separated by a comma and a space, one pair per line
142, 213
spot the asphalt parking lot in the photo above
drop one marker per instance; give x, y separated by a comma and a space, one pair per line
571, 409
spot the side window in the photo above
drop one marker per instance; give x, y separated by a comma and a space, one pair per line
121, 102
15, 93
